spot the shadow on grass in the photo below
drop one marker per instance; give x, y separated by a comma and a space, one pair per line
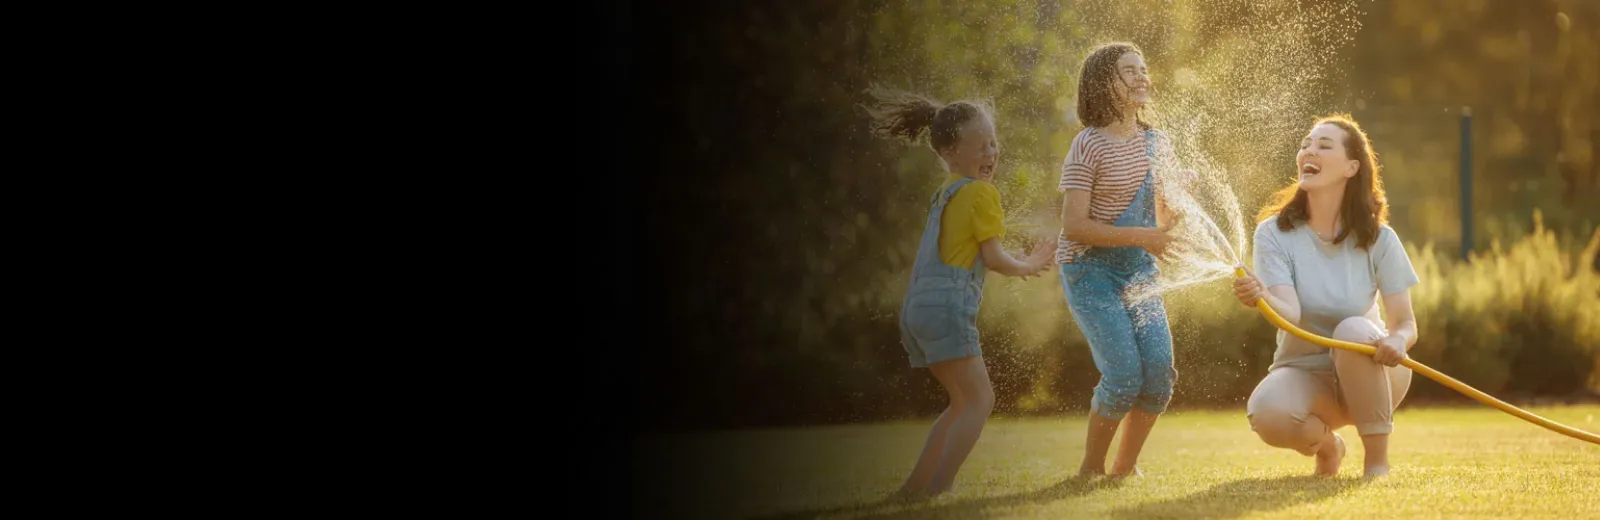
968, 508
1241, 497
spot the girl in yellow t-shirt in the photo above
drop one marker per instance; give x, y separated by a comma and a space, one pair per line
960, 242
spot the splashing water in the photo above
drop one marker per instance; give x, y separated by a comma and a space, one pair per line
1233, 104
1237, 83
1233, 112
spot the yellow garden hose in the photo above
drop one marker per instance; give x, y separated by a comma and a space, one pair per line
1420, 368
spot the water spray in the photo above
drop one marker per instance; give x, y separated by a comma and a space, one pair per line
1420, 368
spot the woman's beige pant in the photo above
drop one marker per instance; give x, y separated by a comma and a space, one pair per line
1295, 408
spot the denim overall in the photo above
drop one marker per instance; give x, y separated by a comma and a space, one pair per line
939, 316
1130, 341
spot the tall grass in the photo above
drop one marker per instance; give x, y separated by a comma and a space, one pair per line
1521, 319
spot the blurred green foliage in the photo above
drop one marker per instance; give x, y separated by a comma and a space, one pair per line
785, 231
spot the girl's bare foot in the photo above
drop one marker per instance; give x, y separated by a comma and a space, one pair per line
935, 492
1329, 457
907, 495
1377, 471
1131, 473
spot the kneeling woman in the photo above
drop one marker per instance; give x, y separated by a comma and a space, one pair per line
1324, 257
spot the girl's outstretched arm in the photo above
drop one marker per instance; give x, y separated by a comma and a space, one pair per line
1078, 227
998, 260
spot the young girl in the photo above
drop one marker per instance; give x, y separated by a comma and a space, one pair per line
1110, 238
961, 240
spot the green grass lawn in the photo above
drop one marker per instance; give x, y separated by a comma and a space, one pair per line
1446, 462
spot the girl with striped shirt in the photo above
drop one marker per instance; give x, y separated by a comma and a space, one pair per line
1115, 224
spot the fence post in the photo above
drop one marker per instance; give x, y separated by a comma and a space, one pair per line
1466, 182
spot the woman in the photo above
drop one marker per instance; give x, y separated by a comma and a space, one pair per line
1325, 256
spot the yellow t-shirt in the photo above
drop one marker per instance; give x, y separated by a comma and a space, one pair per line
972, 216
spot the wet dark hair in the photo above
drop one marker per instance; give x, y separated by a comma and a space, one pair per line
905, 116
1097, 103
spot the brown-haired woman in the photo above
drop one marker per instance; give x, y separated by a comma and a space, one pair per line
1324, 257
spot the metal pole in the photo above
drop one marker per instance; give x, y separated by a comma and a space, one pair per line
1466, 182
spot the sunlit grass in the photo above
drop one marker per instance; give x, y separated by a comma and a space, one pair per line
1460, 462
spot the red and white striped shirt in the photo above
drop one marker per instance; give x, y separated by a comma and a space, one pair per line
1112, 171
